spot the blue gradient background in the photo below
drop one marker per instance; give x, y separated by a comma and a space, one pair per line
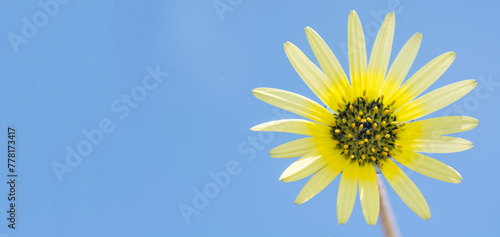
197, 120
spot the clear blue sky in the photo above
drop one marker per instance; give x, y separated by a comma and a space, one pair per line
137, 104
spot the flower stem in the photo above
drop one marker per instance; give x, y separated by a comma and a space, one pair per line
387, 219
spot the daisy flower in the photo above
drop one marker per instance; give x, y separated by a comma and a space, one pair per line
367, 125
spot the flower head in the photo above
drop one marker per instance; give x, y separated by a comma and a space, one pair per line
371, 125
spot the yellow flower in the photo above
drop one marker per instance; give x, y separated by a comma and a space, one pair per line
367, 131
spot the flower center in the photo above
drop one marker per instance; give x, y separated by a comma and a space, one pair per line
366, 130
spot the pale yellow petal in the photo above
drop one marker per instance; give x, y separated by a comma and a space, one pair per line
300, 147
400, 67
297, 126
422, 79
336, 77
310, 74
405, 188
348, 189
368, 193
294, 103
379, 57
321, 179
435, 144
440, 126
427, 166
357, 54
305, 166
435, 100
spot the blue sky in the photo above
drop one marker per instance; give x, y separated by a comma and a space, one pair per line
126, 110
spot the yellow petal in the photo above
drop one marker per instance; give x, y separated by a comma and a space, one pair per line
440, 126
379, 58
300, 147
436, 144
400, 67
310, 74
405, 188
368, 193
423, 78
336, 77
435, 100
357, 54
305, 166
321, 179
297, 126
294, 103
347, 191
427, 166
